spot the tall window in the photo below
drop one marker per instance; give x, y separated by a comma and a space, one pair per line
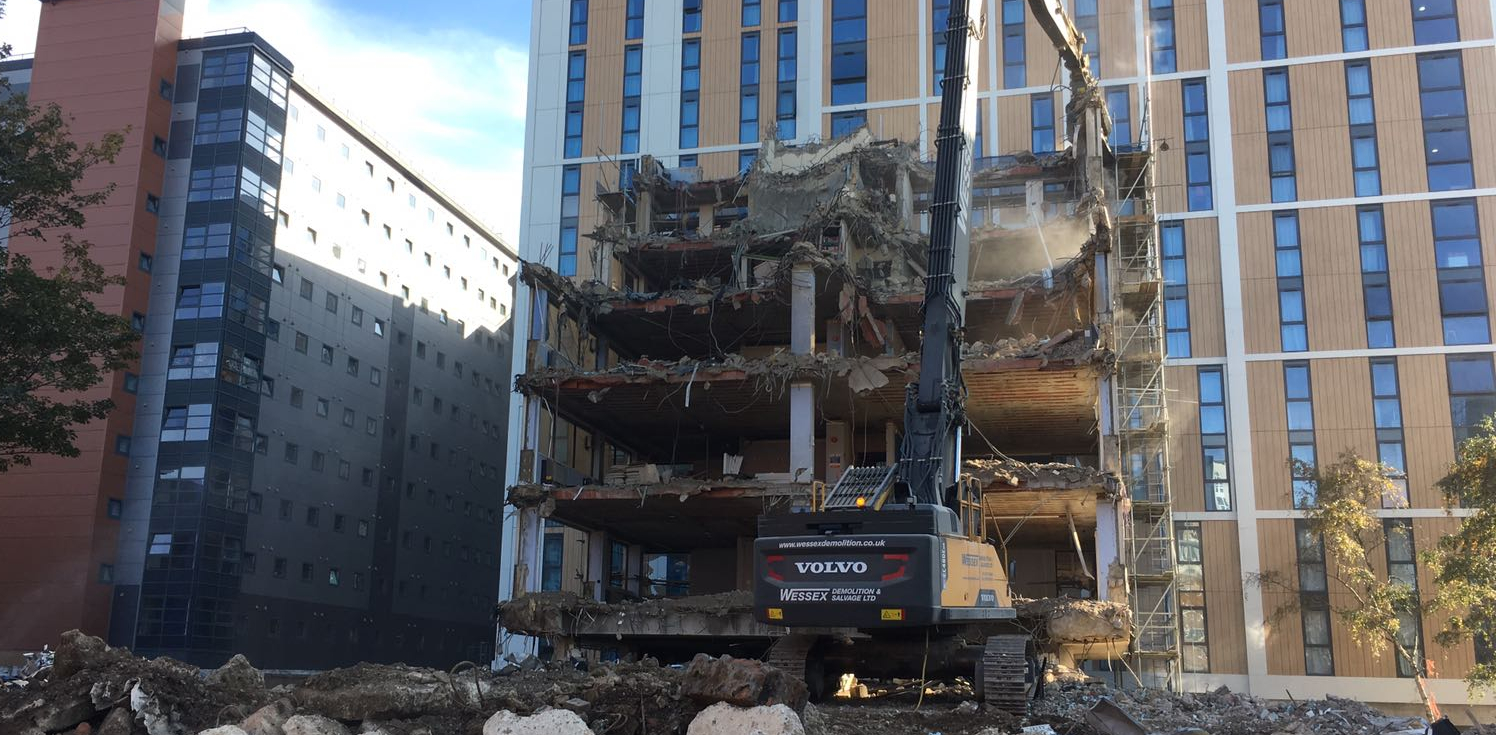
1280, 156
1176, 289
1270, 21
748, 90
578, 22
1119, 106
789, 11
1293, 328
633, 20
1299, 405
1015, 68
1375, 288
1189, 575
752, 13
1161, 20
1472, 393
785, 104
1314, 602
1402, 569
633, 73
1353, 25
690, 92
571, 203
690, 18
1462, 287
551, 563
1446, 128
940, 18
1213, 444
576, 90
1363, 119
1041, 112
848, 52
1434, 21
1089, 23
1197, 146
1386, 414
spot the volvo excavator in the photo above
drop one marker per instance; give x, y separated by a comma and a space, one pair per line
889, 573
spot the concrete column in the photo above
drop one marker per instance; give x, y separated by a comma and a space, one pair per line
706, 216
802, 395
597, 565
1108, 548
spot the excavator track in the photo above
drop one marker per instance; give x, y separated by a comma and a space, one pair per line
788, 654
1002, 678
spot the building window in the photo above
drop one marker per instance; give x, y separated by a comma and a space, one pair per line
633, 72
106, 574
1041, 122
578, 22
1434, 21
746, 159
940, 18
1292, 325
1176, 289
1353, 25
789, 11
1472, 393
1386, 408
1446, 127
132, 383
1402, 569
1190, 580
1089, 23
122, 445
1300, 409
752, 13
551, 563
1214, 446
1375, 288
846, 123
1119, 106
1015, 68
1197, 146
187, 423
327, 354
331, 302
1314, 602
1280, 135
152, 203
1161, 17
690, 21
571, 202
193, 361
1462, 288
203, 301
748, 90
1270, 21
633, 20
690, 93
848, 52
785, 104
1363, 119
301, 342
576, 90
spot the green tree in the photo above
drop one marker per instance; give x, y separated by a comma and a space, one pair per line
1463, 563
54, 341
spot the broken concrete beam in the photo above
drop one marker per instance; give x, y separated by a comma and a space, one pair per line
377, 691
740, 682
1071, 620
550, 722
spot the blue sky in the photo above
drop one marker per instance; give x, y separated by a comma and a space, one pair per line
443, 82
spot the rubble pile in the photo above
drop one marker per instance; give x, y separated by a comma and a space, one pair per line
1221, 712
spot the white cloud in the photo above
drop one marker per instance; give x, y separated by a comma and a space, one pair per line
451, 101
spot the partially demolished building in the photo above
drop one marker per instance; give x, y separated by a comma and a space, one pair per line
743, 338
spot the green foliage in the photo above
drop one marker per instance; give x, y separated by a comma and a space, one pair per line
53, 340
1464, 563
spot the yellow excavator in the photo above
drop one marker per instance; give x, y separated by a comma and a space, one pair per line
897, 554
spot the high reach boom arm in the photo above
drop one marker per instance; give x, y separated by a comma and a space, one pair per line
935, 407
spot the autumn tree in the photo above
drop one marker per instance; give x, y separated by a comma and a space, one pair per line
1464, 562
54, 341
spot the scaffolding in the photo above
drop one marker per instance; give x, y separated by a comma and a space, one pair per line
1139, 421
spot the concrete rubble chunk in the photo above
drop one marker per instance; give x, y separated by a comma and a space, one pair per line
237, 673
549, 722
725, 719
270, 719
223, 730
76, 652
376, 691
119, 721
740, 682
314, 725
